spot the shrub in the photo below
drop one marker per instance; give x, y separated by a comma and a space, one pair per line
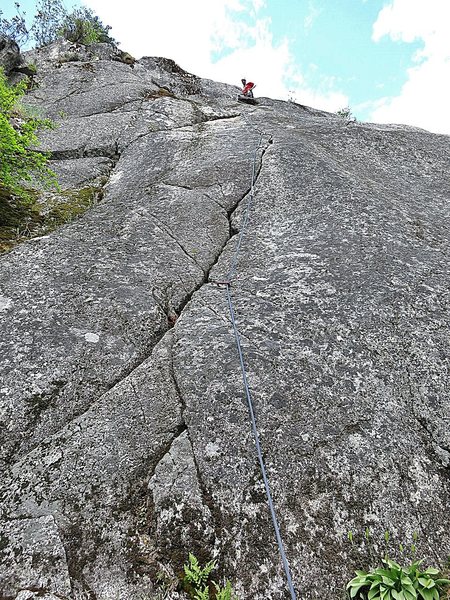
82, 26
346, 113
20, 162
53, 21
47, 21
394, 582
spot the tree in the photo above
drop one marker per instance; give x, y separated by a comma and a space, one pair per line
84, 27
53, 21
20, 161
47, 21
15, 28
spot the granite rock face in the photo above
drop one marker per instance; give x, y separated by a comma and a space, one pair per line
10, 57
126, 440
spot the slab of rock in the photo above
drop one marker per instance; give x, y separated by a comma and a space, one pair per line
182, 516
99, 318
343, 313
126, 436
10, 56
33, 558
89, 477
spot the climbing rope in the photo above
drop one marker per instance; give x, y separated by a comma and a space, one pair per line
227, 284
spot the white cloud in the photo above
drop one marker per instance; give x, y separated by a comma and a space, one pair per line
258, 4
313, 12
407, 20
193, 33
425, 97
186, 31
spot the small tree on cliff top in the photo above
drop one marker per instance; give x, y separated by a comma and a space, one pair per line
53, 21
16, 27
84, 27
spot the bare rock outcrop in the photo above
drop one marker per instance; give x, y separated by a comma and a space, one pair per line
10, 56
126, 441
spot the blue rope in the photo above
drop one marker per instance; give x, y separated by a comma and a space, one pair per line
227, 283
258, 448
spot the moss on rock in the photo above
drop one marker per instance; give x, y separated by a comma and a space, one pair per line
42, 214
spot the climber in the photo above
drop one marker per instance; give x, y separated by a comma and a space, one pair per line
247, 89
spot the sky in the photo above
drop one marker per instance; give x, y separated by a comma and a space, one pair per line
388, 60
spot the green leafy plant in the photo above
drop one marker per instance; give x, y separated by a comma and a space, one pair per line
196, 582
82, 26
225, 593
52, 21
20, 162
394, 582
385, 545
202, 594
194, 574
346, 113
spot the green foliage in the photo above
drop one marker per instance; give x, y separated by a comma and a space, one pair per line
346, 114
194, 574
82, 26
53, 21
202, 594
20, 162
225, 593
386, 541
47, 21
196, 582
394, 582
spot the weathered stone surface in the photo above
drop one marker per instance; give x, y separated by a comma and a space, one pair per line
10, 57
90, 476
126, 440
100, 318
33, 557
184, 522
82, 172
333, 290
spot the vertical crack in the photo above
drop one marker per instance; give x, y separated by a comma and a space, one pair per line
235, 207
206, 496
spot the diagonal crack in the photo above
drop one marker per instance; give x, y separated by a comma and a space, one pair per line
168, 231
206, 496
164, 327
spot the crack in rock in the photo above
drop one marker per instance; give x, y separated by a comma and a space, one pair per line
123, 415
